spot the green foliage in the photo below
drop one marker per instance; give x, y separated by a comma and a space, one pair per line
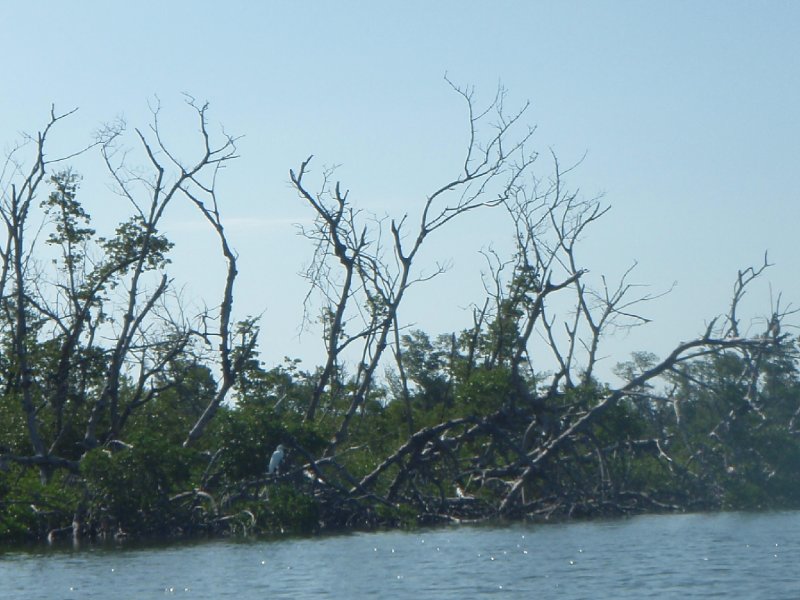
732, 447
70, 219
426, 367
30, 508
246, 439
290, 510
401, 515
135, 240
13, 432
131, 488
720, 431
248, 434
188, 387
486, 391
621, 423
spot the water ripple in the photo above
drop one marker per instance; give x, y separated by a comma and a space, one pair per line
678, 556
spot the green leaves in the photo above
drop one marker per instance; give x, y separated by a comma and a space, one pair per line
132, 487
136, 241
68, 215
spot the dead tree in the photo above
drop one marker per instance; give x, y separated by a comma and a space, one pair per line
373, 285
337, 236
233, 354
544, 424
171, 180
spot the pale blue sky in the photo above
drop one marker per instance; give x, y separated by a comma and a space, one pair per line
688, 113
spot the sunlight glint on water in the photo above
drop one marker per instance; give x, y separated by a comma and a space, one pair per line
673, 556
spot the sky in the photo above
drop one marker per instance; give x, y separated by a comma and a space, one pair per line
684, 116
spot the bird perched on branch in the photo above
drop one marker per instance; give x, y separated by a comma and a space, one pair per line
276, 459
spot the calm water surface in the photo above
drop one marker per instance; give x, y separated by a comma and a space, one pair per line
732, 555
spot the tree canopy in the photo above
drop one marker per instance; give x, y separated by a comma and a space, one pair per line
121, 415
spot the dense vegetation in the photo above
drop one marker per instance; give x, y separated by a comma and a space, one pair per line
120, 415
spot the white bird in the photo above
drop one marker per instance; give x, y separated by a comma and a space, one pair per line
276, 459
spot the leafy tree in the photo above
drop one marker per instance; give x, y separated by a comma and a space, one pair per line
121, 416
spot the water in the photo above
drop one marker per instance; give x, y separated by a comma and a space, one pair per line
732, 555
